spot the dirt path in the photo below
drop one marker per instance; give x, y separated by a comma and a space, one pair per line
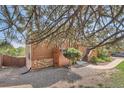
89, 78
53, 77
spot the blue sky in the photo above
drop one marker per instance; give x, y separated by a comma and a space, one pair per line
3, 25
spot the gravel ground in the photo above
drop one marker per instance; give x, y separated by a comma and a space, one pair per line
54, 77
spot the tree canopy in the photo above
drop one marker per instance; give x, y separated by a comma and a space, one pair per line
93, 26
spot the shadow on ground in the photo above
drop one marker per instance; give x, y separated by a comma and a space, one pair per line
42, 78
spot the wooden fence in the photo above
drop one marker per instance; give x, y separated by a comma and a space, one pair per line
12, 61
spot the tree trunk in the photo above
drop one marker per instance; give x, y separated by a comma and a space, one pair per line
85, 57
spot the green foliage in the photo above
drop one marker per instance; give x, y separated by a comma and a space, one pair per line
72, 54
11, 51
5, 44
103, 56
95, 60
103, 52
120, 66
106, 58
99, 60
20, 51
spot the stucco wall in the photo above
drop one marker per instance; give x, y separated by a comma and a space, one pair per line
41, 56
13, 61
41, 51
59, 59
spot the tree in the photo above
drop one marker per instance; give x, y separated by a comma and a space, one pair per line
4, 44
94, 26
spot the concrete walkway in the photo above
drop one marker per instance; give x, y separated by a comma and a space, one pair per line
20, 86
111, 65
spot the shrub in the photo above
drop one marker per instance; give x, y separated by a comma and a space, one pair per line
103, 54
95, 60
105, 57
108, 59
72, 54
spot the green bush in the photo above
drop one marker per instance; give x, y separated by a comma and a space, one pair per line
105, 57
100, 59
108, 59
96, 60
72, 54
103, 52
11, 51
